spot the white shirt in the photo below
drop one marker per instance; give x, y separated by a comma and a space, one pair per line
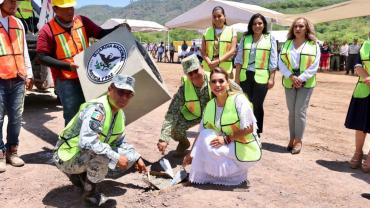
295, 53
239, 59
219, 31
27, 63
344, 50
354, 49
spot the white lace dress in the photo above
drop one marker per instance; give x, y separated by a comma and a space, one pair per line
219, 165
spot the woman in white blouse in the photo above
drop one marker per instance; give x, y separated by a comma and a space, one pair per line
227, 144
299, 61
255, 64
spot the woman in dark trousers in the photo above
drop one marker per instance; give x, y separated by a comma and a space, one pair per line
358, 116
256, 63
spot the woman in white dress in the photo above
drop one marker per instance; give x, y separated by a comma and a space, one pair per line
227, 144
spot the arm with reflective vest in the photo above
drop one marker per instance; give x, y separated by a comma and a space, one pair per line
232, 50
239, 61
119, 153
272, 62
46, 49
92, 119
172, 115
247, 120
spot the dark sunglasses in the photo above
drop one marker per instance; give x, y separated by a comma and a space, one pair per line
214, 81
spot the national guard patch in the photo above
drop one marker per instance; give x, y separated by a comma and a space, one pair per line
95, 125
96, 115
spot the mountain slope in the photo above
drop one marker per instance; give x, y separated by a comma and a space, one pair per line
159, 11
162, 11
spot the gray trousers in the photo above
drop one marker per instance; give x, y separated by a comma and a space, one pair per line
297, 101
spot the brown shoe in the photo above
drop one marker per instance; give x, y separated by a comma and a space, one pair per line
366, 164
356, 160
12, 157
289, 148
2, 161
297, 146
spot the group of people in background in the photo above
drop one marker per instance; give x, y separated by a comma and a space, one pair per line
339, 56
166, 53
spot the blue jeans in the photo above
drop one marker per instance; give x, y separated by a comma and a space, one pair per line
12, 93
71, 97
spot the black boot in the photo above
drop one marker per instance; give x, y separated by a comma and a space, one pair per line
92, 196
77, 179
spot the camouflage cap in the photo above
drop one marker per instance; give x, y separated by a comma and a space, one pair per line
124, 82
190, 63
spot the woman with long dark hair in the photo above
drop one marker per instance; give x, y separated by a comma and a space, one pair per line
256, 63
218, 43
227, 144
299, 61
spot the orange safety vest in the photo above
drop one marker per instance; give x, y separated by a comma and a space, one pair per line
12, 50
68, 44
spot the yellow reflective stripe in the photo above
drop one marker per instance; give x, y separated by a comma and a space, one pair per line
82, 37
263, 60
287, 55
309, 61
20, 40
2, 46
66, 50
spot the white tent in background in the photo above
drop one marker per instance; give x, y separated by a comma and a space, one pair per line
240, 27
280, 35
136, 25
199, 17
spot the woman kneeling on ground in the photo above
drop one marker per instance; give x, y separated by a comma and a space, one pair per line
227, 144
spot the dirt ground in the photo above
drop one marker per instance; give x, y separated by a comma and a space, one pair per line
318, 177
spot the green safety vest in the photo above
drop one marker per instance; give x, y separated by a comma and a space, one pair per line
224, 46
113, 128
362, 90
307, 58
191, 109
262, 60
248, 151
25, 7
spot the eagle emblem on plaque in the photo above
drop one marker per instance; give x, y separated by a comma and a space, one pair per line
105, 62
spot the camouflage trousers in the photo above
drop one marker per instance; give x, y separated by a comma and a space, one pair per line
178, 132
95, 166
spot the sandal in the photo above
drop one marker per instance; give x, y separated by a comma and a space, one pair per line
356, 160
366, 164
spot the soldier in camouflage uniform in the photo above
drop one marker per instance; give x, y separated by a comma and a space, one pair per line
94, 140
185, 110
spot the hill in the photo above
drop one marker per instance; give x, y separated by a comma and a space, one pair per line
162, 11
159, 11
